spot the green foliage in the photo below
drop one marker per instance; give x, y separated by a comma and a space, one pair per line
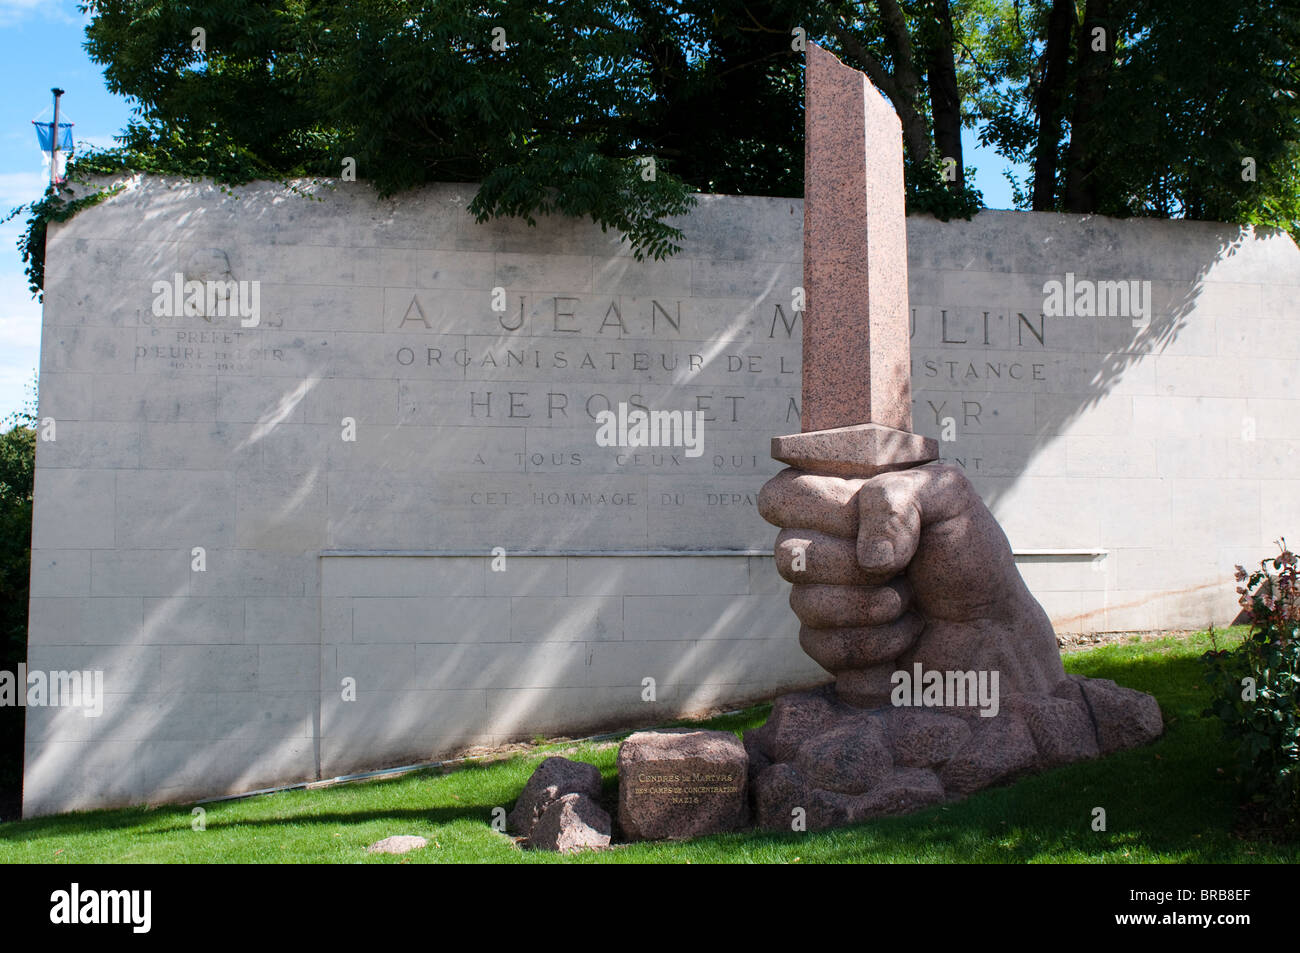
1201, 86
1256, 687
927, 191
53, 207
17, 474
854, 31
1276, 203
1001, 75
1194, 88
559, 120
1176, 808
411, 92
17, 466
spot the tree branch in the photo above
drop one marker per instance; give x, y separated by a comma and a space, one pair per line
872, 66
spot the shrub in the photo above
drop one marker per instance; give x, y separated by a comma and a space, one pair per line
17, 468
1256, 688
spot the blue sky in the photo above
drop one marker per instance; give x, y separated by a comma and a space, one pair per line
40, 47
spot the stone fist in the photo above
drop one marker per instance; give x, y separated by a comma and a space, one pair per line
907, 566
903, 569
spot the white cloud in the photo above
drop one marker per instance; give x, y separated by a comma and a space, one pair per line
18, 188
19, 7
20, 341
94, 142
15, 11
20, 315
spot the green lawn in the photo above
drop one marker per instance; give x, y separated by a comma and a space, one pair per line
1166, 803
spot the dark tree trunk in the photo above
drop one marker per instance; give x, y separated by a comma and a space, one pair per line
945, 98
675, 126
1089, 89
903, 85
1051, 90
906, 78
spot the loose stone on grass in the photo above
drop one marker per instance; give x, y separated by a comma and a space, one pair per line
554, 778
572, 823
398, 844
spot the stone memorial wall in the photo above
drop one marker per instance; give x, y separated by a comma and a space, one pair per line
351, 500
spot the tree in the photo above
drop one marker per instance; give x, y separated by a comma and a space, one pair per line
537, 101
939, 41
617, 110
1095, 60
1155, 107
612, 109
909, 49
17, 476
1049, 103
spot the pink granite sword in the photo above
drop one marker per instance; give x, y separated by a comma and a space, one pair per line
857, 394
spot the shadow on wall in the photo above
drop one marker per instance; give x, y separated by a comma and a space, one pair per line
183, 722
1096, 368
204, 700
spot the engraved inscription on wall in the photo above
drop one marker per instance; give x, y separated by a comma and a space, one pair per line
490, 437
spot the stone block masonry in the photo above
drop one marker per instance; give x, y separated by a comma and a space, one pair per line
277, 540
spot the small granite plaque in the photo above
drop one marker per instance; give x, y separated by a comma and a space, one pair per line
682, 783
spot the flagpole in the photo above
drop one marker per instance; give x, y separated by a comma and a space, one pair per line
54, 141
